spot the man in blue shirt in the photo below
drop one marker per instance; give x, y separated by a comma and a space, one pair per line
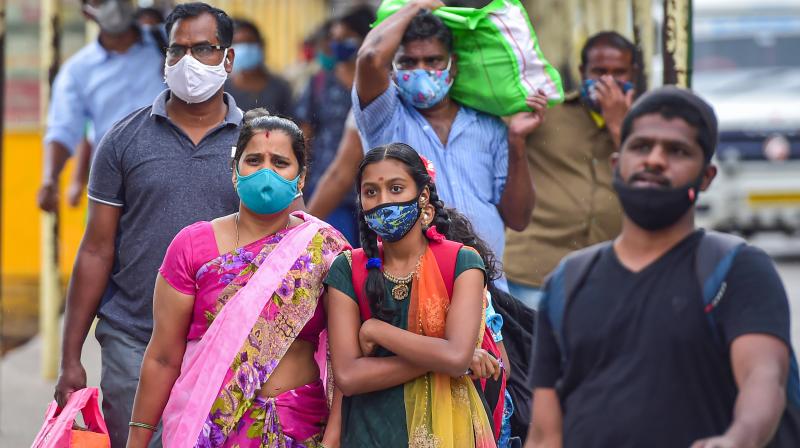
106, 80
481, 164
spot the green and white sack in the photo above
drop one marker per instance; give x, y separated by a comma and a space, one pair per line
499, 59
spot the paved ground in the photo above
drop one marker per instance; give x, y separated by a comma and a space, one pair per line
24, 395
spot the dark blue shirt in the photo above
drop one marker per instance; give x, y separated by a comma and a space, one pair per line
163, 182
324, 105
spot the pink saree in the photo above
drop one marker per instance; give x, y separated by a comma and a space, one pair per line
214, 402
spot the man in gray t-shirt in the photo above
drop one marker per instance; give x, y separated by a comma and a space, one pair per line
156, 171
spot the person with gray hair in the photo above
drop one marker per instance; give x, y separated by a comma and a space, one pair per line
668, 335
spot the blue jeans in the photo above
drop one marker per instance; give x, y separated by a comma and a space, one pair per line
529, 296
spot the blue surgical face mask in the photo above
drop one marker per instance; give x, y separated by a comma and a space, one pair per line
393, 221
266, 192
248, 56
422, 88
589, 92
326, 61
345, 50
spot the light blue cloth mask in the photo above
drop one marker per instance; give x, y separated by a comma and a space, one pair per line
248, 56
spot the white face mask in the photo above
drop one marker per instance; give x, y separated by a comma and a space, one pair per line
113, 16
195, 82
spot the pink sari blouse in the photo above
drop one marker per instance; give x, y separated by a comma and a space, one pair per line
194, 266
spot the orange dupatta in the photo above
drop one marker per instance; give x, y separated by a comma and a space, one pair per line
441, 411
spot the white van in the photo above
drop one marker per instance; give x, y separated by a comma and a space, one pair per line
747, 64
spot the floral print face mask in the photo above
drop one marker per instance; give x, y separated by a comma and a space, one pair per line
393, 221
422, 88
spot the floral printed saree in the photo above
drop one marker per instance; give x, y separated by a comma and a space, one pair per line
215, 402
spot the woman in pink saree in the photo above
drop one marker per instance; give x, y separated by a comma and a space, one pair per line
238, 317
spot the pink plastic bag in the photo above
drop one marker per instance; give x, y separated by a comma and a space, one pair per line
57, 430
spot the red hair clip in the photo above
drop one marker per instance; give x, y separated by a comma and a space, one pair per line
429, 167
434, 235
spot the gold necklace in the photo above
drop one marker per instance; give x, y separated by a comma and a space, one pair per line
400, 290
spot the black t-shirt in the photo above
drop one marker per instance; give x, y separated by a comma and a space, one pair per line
644, 367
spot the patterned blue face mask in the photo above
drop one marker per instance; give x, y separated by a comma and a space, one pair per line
422, 88
394, 220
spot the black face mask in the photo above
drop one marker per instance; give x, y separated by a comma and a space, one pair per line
656, 208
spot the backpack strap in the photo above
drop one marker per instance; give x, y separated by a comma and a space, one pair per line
713, 261
563, 284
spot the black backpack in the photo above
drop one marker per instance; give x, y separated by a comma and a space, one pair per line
518, 326
713, 260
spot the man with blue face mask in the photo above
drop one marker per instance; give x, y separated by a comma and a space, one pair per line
323, 108
156, 171
405, 70
576, 204
251, 84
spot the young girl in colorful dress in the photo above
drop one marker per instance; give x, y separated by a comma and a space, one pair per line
238, 314
407, 317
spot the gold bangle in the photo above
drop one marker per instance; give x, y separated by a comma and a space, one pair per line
142, 425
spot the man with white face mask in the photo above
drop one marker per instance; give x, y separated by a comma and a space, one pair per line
156, 171
104, 81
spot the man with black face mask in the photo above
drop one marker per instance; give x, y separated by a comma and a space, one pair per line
631, 350
106, 80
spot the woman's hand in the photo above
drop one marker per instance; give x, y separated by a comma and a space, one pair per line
484, 365
365, 340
